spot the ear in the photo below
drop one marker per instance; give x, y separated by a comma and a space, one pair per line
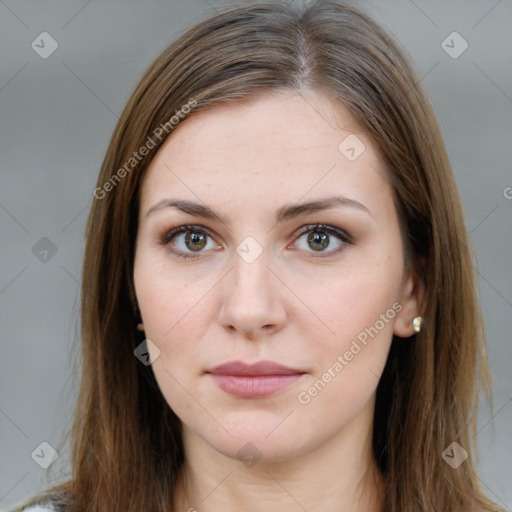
413, 293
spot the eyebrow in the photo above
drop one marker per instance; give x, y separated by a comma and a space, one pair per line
285, 213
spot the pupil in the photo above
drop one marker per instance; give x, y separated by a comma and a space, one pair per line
318, 241
197, 240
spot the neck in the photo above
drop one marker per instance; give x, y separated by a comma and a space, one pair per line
339, 475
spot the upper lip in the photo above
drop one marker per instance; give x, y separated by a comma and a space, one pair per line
260, 368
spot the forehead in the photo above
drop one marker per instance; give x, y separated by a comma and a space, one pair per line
281, 146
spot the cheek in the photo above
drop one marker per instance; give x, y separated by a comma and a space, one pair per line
172, 311
360, 308
166, 304
353, 301
174, 319
167, 295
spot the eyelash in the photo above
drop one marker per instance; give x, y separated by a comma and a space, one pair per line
343, 237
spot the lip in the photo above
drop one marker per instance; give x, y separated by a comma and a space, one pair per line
257, 380
239, 368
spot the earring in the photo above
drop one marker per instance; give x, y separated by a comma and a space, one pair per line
140, 327
416, 323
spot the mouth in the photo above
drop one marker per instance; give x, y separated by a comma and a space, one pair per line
252, 381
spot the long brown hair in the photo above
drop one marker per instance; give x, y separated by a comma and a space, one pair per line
126, 441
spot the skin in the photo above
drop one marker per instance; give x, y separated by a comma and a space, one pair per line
294, 305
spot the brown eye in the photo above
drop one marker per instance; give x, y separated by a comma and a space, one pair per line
195, 241
318, 241
321, 239
184, 241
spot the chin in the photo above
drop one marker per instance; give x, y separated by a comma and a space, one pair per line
251, 449
260, 436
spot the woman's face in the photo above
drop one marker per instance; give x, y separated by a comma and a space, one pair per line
248, 278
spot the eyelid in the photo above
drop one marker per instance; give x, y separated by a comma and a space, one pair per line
165, 239
169, 234
341, 234
344, 237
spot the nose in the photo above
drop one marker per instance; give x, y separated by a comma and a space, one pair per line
253, 303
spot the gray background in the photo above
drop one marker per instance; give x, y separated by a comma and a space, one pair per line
57, 116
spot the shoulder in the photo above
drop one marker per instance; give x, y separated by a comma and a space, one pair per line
36, 506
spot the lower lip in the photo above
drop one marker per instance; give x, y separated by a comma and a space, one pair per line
256, 386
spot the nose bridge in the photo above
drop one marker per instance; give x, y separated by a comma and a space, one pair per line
251, 299
251, 276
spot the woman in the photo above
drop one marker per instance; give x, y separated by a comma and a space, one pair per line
278, 308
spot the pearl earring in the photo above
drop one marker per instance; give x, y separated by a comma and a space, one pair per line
416, 323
